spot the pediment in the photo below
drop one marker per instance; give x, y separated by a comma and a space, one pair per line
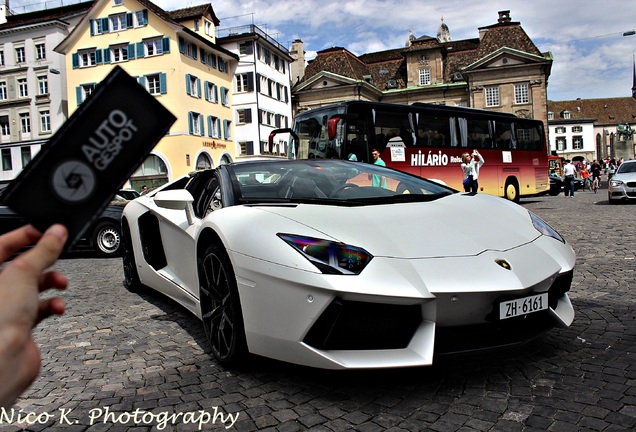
323, 80
505, 57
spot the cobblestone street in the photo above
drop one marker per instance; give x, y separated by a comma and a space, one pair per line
116, 361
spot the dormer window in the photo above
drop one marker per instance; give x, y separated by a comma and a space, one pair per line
566, 114
550, 115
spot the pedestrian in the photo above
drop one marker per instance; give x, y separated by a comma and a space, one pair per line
584, 176
471, 163
568, 171
21, 308
378, 180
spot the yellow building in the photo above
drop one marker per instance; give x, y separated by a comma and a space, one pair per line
174, 55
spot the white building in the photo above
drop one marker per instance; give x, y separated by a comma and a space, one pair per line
261, 89
33, 101
590, 128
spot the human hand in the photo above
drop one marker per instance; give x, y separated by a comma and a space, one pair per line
21, 309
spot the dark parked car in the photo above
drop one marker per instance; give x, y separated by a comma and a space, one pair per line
557, 185
129, 194
103, 236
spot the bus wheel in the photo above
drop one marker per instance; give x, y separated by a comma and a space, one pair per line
511, 191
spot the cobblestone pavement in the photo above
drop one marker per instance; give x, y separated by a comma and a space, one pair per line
118, 360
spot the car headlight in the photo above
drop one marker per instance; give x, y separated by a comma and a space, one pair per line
543, 227
615, 183
328, 256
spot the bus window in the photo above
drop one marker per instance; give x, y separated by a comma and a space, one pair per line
477, 134
435, 131
529, 135
388, 125
314, 141
504, 136
356, 145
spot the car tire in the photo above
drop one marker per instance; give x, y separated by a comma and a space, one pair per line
107, 239
511, 191
131, 278
221, 307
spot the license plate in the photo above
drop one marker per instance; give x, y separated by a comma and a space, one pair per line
523, 306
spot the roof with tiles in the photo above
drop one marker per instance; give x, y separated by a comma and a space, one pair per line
609, 111
339, 61
45, 15
194, 12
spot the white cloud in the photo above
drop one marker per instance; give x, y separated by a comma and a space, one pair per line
591, 57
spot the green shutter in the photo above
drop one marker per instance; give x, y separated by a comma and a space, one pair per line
163, 87
140, 50
190, 123
78, 94
75, 60
165, 45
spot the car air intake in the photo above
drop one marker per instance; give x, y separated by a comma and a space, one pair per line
352, 325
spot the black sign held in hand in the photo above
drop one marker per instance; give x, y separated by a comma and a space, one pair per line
75, 175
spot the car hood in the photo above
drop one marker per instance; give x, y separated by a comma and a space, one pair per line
457, 225
625, 177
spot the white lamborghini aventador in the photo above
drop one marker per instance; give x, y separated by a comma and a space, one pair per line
308, 262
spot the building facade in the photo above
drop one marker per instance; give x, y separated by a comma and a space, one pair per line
502, 71
33, 98
262, 93
588, 129
176, 57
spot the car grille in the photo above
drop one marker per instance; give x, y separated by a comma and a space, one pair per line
352, 325
631, 184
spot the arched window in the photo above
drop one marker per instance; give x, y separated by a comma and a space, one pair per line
203, 162
152, 173
225, 159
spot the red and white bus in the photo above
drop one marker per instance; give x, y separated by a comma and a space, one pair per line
428, 140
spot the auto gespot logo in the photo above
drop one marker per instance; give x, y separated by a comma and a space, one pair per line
74, 180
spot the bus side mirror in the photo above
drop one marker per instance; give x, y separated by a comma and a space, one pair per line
332, 127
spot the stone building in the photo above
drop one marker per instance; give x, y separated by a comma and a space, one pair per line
501, 70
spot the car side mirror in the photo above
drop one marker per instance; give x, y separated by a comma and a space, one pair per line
179, 199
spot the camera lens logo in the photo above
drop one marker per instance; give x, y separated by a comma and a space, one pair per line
73, 181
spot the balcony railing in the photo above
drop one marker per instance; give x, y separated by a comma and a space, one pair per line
249, 29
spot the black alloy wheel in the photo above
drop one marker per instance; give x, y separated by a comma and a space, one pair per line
221, 308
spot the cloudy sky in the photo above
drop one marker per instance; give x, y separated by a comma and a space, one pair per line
592, 58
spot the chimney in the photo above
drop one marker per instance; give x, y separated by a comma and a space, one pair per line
504, 17
297, 67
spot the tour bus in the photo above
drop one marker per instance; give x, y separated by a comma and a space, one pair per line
428, 140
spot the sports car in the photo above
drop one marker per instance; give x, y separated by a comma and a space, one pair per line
308, 262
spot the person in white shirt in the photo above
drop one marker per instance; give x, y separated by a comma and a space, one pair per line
568, 172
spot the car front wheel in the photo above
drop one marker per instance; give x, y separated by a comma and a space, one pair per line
107, 239
221, 308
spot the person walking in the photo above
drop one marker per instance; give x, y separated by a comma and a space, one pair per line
568, 172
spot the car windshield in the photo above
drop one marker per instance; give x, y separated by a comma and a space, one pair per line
329, 181
626, 168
